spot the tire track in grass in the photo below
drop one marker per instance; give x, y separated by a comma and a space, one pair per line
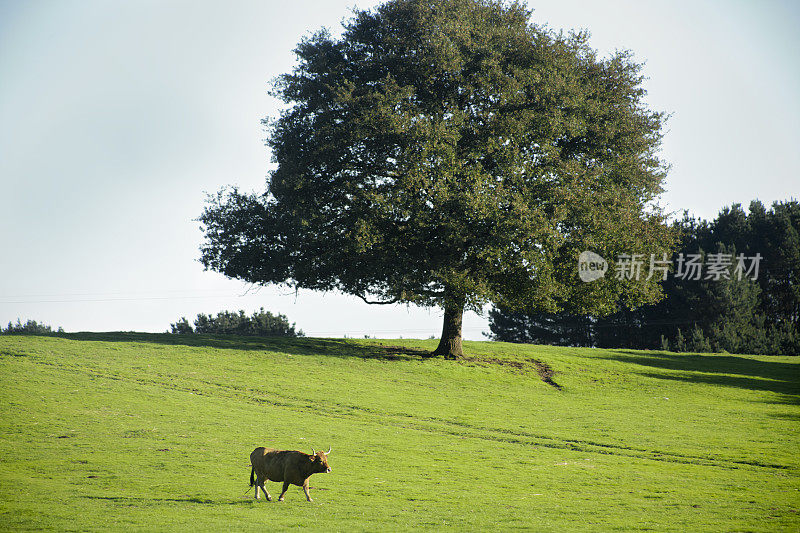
434, 425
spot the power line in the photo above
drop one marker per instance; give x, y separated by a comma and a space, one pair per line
109, 297
138, 299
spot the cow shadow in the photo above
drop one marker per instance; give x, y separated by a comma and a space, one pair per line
289, 345
132, 500
724, 370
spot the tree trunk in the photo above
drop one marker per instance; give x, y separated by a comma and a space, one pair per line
450, 343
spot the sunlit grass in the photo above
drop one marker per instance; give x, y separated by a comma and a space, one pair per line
153, 432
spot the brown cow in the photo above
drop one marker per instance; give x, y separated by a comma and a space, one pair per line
293, 468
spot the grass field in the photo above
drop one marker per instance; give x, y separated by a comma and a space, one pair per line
153, 433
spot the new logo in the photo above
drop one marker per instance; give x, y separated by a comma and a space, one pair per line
591, 266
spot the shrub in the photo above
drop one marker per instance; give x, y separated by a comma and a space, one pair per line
261, 323
30, 327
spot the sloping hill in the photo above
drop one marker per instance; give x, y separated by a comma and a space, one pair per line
153, 432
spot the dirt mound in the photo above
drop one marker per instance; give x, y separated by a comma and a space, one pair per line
544, 370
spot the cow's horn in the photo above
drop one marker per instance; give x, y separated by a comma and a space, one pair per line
329, 450
313, 452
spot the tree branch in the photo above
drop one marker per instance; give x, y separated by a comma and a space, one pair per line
398, 299
389, 302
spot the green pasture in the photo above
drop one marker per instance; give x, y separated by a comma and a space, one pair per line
141, 432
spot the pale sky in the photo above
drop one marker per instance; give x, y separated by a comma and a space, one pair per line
116, 118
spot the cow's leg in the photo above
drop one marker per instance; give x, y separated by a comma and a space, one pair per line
285, 488
258, 484
305, 489
269, 498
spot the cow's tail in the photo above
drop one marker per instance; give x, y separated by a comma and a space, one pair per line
252, 481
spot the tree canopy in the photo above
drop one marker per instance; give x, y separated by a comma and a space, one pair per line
451, 153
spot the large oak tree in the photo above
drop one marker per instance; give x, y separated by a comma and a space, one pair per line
451, 153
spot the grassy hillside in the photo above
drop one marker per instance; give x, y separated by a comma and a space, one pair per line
153, 432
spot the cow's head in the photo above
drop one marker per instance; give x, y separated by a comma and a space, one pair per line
319, 461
